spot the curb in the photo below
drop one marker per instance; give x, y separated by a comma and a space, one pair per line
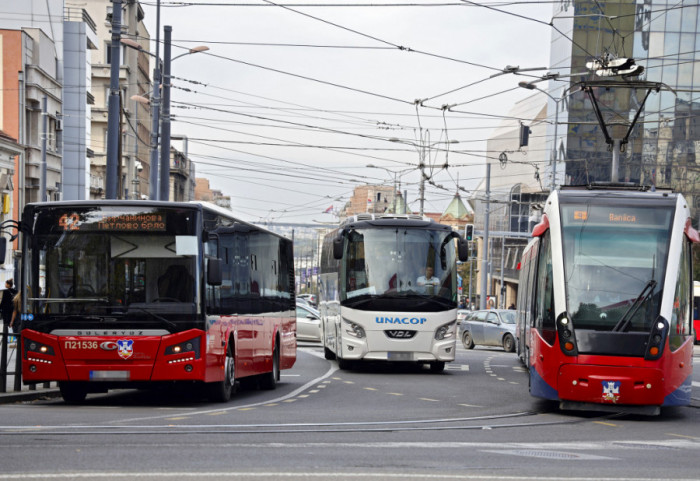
19, 396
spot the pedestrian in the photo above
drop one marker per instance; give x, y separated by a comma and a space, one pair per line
15, 322
6, 306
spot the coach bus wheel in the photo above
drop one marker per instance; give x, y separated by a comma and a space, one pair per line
269, 380
221, 391
437, 366
344, 363
328, 354
72, 392
467, 340
508, 343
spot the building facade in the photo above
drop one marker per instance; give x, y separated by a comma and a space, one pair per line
664, 142
134, 79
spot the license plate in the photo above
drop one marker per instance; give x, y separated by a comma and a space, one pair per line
109, 375
400, 356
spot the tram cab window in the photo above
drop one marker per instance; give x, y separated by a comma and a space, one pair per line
544, 301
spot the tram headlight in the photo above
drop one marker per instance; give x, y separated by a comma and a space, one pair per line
445, 332
355, 330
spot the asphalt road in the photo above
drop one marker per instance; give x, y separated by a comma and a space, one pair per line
474, 421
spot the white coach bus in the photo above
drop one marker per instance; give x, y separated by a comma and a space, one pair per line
389, 290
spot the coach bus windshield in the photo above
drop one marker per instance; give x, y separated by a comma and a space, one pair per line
614, 255
391, 264
92, 265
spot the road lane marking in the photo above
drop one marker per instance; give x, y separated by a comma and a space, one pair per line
428, 399
605, 424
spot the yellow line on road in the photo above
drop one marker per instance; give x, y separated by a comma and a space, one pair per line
681, 436
370, 389
605, 424
176, 419
428, 399
395, 393
218, 413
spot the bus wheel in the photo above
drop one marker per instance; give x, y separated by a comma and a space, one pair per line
467, 340
344, 363
269, 380
508, 343
221, 391
437, 366
328, 354
72, 392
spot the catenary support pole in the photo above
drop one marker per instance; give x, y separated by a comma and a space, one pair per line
165, 123
113, 108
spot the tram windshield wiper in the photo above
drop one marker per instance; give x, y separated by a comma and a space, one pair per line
625, 321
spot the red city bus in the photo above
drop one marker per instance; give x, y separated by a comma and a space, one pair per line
606, 300
128, 294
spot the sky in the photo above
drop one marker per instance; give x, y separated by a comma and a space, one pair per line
293, 101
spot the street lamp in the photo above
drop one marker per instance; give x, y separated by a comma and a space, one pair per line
155, 192
422, 148
532, 86
394, 173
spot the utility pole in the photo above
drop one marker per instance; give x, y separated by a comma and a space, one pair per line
155, 116
165, 140
485, 246
44, 135
113, 133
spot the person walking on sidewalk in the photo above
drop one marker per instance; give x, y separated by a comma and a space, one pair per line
6, 304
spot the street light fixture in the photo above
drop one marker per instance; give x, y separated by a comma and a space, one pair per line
421, 148
532, 86
155, 102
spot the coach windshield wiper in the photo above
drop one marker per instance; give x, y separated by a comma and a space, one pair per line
626, 320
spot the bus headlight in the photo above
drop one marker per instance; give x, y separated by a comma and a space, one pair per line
189, 346
445, 332
355, 330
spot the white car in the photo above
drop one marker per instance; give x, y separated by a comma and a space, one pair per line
308, 323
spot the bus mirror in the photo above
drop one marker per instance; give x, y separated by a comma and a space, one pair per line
463, 250
3, 249
338, 244
214, 277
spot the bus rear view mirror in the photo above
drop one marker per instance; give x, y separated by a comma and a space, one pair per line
214, 277
338, 244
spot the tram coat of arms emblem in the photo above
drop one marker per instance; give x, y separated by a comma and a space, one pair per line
125, 347
611, 391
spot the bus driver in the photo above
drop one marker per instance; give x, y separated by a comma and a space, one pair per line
428, 282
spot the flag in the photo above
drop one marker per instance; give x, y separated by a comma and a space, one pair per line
328, 210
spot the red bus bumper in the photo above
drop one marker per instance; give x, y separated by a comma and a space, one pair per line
46, 357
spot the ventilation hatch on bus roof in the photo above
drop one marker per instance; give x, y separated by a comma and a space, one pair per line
367, 216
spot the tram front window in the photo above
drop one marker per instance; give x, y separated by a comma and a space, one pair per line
614, 256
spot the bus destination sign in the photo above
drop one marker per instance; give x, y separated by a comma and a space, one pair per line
141, 222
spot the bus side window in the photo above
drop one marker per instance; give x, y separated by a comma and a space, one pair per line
544, 302
680, 317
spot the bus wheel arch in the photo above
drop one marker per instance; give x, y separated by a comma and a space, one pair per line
221, 391
270, 379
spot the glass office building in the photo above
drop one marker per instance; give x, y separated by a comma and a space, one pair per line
663, 38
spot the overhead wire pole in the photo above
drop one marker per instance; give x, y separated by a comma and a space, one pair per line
485, 247
113, 114
155, 116
165, 123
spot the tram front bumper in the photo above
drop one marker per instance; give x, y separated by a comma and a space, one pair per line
611, 385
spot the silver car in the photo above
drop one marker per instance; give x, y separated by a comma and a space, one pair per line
308, 323
495, 327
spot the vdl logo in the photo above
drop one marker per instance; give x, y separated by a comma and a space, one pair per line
400, 320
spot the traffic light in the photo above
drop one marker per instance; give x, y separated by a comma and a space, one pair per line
469, 232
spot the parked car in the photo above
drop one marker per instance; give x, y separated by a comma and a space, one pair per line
308, 323
494, 327
462, 314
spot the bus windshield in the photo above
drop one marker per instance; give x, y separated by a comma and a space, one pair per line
614, 264
398, 263
90, 265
